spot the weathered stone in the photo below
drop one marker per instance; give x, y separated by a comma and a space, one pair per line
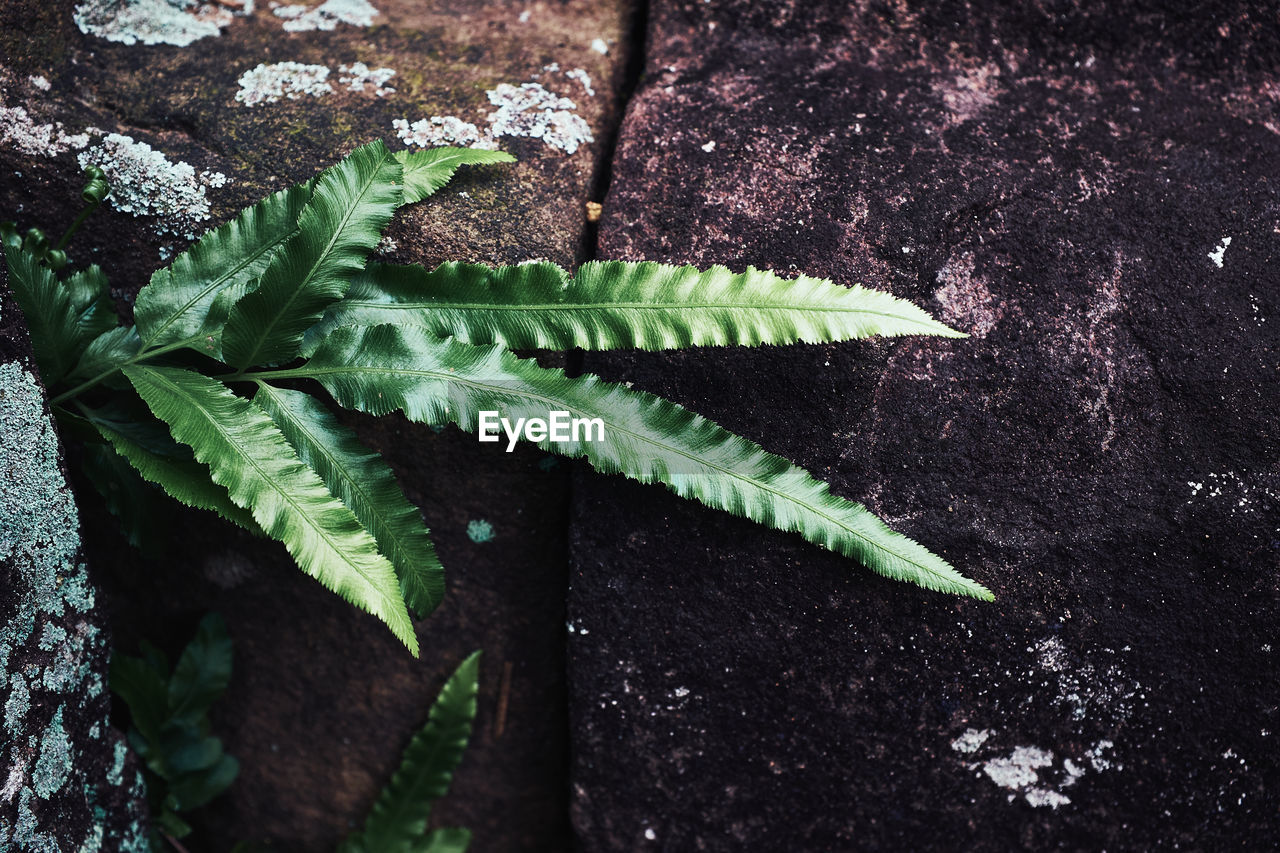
68, 782
322, 699
1102, 452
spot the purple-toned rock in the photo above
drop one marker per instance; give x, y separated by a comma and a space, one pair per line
1092, 194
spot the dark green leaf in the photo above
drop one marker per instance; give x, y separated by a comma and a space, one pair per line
399, 817
143, 690
105, 354
445, 840
193, 790
249, 456
46, 306
427, 171
361, 480
652, 440
182, 302
616, 305
203, 671
341, 224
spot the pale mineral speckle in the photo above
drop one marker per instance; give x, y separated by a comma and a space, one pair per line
584, 78
268, 83
1097, 760
524, 17
600, 46
146, 183
1018, 769
301, 18
650, 835
442, 130
709, 147
681, 692
1219, 253
969, 742
532, 111
172, 22
967, 302
359, 77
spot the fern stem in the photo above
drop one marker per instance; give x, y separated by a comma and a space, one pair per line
137, 358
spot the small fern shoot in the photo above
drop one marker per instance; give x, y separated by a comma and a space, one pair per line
398, 821
201, 397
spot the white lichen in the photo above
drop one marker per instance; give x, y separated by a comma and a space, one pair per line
40, 82
600, 46
358, 77
146, 183
20, 131
174, 22
442, 130
969, 742
530, 110
300, 18
584, 78
1220, 252
268, 83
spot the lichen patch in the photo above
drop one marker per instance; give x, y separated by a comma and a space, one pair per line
268, 83
442, 130
20, 131
359, 77
532, 111
146, 183
172, 22
300, 18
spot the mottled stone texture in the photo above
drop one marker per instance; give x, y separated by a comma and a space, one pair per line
323, 699
67, 781
1058, 180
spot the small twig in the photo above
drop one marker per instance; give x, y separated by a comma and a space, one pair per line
176, 844
504, 694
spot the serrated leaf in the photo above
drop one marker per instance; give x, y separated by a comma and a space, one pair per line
104, 354
202, 672
450, 839
398, 820
383, 368
137, 505
249, 456
178, 473
364, 482
143, 689
617, 305
51, 319
91, 301
427, 171
179, 302
341, 223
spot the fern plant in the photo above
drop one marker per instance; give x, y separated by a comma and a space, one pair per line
398, 821
200, 395
185, 764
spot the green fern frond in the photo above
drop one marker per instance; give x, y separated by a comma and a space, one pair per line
341, 223
398, 820
91, 301
617, 305
249, 456
168, 465
449, 839
362, 481
106, 352
383, 368
429, 170
188, 301
56, 335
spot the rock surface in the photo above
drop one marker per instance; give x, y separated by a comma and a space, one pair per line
1091, 193
197, 113
69, 781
